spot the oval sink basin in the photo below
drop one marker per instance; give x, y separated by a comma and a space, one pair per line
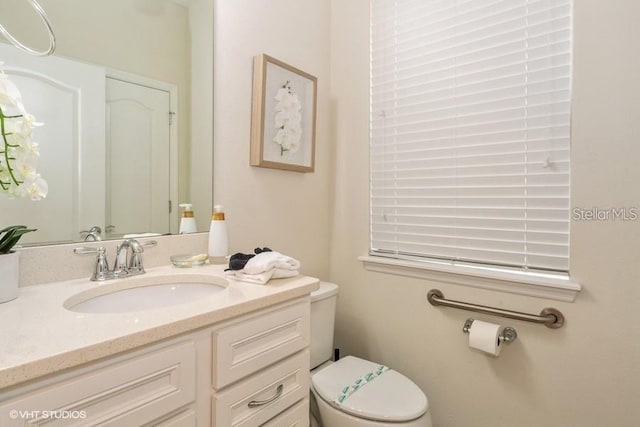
145, 293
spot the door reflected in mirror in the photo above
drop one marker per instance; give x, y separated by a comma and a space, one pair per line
138, 158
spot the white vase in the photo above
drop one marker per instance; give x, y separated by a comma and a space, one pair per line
9, 276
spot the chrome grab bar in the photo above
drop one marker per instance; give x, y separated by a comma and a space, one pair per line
549, 317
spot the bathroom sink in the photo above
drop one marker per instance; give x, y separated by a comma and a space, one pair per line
145, 293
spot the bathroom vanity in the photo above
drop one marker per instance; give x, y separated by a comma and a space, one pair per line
239, 357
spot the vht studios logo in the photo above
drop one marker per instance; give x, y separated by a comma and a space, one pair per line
598, 214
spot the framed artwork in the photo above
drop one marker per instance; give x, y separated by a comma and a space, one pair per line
283, 119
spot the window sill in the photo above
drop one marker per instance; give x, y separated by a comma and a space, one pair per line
558, 288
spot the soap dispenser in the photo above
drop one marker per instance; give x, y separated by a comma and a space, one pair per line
187, 222
218, 240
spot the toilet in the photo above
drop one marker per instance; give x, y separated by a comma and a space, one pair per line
386, 399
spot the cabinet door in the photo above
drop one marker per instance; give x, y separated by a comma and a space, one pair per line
134, 391
183, 419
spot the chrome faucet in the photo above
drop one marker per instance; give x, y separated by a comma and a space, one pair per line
93, 234
128, 265
128, 260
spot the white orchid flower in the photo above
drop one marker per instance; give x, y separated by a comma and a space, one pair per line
288, 119
18, 152
281, 93
33, 187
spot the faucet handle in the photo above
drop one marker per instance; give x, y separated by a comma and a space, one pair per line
101, 269
85, 250
135, 265
149, 243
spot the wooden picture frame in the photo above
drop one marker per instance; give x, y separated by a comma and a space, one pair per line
283, 119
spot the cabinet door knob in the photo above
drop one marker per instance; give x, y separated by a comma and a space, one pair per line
256, 403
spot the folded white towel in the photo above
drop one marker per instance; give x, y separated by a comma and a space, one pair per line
266, 266
262, 278
258, 279
281, 273
266, 261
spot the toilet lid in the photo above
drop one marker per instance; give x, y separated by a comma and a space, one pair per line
389, 397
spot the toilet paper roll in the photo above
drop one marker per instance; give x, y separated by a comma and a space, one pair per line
484, 336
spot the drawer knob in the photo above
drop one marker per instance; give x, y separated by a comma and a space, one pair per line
256, 403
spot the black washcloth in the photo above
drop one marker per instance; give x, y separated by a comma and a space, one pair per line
238, 260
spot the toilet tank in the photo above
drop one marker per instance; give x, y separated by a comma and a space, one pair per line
323, 315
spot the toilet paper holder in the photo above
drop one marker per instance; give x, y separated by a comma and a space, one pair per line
507, 336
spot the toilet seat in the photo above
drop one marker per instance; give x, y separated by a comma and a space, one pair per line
389, 397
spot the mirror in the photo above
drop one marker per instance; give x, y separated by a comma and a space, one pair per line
127, 107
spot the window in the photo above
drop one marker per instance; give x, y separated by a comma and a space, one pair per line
470, 131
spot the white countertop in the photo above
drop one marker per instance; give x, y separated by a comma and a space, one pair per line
39, 336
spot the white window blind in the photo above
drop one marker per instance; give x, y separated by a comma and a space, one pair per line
470, 131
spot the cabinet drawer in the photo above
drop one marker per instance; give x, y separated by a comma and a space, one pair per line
256, 342
184, 419
258, 399
131, 392
295, 416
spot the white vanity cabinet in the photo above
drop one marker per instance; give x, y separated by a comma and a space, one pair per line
261, 366
128, 390
250, 370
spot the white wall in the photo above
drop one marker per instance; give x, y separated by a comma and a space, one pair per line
287, 211
585, 374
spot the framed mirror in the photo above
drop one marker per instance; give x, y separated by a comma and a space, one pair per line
127, 107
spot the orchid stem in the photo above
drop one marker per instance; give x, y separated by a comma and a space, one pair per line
7, 159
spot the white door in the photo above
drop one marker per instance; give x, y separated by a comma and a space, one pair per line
68, 97
138, 159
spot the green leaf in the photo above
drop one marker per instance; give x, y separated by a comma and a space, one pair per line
9, 236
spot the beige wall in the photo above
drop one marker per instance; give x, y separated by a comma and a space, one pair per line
287, 211
115, 33
588, 372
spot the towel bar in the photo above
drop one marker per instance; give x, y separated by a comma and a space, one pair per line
550, 317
